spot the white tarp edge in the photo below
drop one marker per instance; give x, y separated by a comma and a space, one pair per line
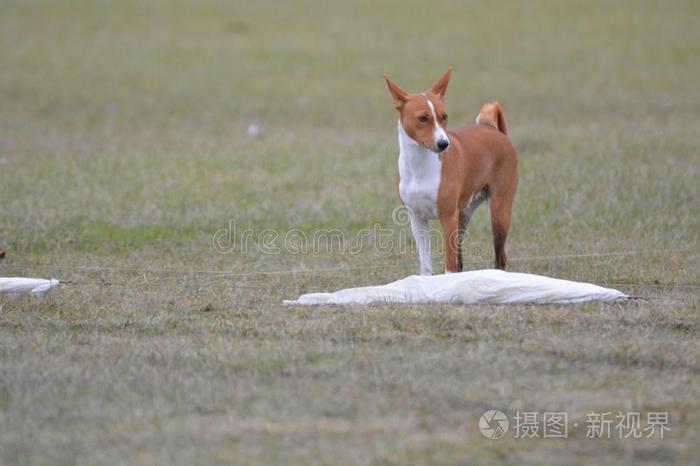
17, 286
476, 286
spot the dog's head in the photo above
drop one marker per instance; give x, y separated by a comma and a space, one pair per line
423, 116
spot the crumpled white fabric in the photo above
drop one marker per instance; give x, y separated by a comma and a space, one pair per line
476, 286
17, 286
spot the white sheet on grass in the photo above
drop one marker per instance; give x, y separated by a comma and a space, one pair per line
476, 286
17, 286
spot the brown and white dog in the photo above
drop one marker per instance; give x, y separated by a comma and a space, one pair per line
447, 174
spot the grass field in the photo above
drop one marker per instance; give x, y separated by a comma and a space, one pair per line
124, 149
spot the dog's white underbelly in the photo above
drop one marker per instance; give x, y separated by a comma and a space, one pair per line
419, 177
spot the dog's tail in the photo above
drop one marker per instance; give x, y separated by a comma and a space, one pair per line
492, 114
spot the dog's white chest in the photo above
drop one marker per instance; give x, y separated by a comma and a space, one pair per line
419, 176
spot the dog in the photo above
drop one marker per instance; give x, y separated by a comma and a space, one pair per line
447, 173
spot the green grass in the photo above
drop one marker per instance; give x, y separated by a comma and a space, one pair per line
123, 150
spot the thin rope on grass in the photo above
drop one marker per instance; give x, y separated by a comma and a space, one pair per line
157, 284
346, 269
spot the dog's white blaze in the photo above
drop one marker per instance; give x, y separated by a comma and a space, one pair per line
438, 133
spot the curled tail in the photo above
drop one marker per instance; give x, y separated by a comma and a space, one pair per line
492, 114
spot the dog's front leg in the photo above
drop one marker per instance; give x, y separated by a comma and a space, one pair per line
451, 237
421, 233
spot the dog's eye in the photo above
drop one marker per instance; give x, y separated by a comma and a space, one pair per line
444, 117
423, 119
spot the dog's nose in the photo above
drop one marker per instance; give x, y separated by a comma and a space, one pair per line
442, 144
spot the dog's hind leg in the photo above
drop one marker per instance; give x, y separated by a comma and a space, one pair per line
461, 227
501, 205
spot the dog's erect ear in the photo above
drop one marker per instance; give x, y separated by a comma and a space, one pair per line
397, 93
440, 87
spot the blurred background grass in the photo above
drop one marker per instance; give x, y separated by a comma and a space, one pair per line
131, 117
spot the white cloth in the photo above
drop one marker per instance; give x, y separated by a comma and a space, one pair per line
17, 286
476, 286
